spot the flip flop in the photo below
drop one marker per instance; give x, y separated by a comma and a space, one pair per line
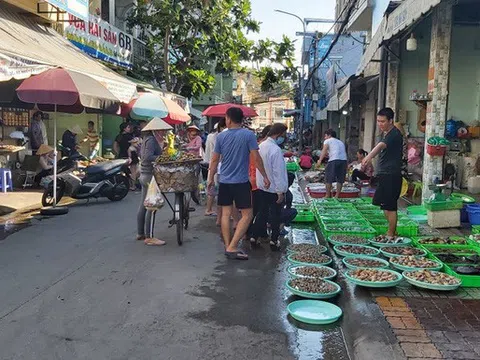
211, 214
236, 255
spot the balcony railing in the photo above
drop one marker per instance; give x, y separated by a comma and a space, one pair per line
139, 52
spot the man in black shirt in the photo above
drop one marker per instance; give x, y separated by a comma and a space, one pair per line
123, 141
389, 167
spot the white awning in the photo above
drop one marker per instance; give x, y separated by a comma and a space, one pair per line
406, 14
39, 45
372, 48
333, 103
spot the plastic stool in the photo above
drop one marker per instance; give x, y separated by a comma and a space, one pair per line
6, 180
417, 186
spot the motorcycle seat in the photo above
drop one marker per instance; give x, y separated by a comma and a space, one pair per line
104, 167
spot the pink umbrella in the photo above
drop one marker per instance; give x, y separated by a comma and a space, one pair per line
65, 91
220, 110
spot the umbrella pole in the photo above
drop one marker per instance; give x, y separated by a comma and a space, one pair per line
55, 156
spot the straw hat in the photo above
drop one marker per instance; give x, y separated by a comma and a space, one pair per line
44, 149
76, 129
193, 127
157, 124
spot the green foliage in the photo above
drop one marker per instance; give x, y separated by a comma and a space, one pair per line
188, 41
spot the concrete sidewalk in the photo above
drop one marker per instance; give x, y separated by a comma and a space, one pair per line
23, 200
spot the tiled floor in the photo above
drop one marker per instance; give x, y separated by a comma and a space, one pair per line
434, 328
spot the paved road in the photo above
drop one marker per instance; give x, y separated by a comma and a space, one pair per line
80, 287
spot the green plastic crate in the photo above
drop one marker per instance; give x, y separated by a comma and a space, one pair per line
416, 241
475, 229
366, 231
467, 280
449, 204
406, 229
293, 166
304, 216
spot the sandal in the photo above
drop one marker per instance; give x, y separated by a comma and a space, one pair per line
236, 255
154, 242
211, 214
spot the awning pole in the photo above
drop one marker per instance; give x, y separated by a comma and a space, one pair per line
55, 156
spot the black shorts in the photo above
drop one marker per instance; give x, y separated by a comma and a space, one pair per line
241, 194
336, 171
388, 191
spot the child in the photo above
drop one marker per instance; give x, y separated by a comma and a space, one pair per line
134, 161
288, 213
306, 160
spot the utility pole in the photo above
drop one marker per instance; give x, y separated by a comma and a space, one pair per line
302, 77
314, 84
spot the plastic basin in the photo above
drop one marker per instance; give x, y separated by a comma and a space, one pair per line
291, 270
386, 253
315, 295
375, 252
429, 286
410, 268
375, 284
353, 267
314, 312
295, 262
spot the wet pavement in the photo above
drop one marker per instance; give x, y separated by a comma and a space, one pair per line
79, 287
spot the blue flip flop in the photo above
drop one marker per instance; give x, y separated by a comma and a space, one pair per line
236, 255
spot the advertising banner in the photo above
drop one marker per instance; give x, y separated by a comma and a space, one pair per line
77, 8
101, 40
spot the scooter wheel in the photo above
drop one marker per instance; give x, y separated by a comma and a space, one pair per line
53, 211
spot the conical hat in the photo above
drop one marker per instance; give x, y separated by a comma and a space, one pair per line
76, 129
157, 124
44, 149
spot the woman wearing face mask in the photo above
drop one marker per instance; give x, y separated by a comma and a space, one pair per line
272, 198
150, 149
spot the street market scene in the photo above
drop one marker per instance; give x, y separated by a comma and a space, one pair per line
240, 179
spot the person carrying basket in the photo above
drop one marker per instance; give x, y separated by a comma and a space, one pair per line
151, 148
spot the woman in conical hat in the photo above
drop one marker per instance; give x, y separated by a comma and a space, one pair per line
151, 148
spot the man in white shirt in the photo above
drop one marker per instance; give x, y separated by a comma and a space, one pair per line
272, 198
336, 169
207, 157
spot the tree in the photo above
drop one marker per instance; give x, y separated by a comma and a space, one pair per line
188, 41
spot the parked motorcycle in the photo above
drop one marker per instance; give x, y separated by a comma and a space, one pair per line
108, 179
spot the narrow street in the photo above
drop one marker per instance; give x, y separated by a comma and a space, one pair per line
79, 287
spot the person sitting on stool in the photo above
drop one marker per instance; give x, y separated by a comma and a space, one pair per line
360, 171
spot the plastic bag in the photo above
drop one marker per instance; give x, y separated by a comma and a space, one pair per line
154, 199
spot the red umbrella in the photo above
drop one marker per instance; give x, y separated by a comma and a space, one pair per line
65, 91
220, 110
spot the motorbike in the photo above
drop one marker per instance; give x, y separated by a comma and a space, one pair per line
108, 179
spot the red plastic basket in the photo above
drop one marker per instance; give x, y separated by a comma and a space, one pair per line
317, 195
349, 195
436, 150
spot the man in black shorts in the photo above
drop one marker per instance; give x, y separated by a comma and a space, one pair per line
336, 169
234, 147
389, 167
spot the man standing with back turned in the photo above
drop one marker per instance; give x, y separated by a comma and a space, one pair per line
336, 169
389, 167
234, 147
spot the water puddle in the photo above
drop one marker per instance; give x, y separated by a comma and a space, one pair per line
10, 227
300, 235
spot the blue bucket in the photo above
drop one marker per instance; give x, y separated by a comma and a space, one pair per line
464, 214
474, 214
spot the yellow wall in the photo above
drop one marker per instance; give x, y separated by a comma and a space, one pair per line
65, 121
31, 7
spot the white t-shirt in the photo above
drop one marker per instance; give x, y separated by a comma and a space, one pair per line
336, 149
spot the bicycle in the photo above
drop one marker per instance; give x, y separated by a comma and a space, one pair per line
181, 213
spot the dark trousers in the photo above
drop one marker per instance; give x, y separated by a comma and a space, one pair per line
358, 174
255, 205
288, 215
268, 210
